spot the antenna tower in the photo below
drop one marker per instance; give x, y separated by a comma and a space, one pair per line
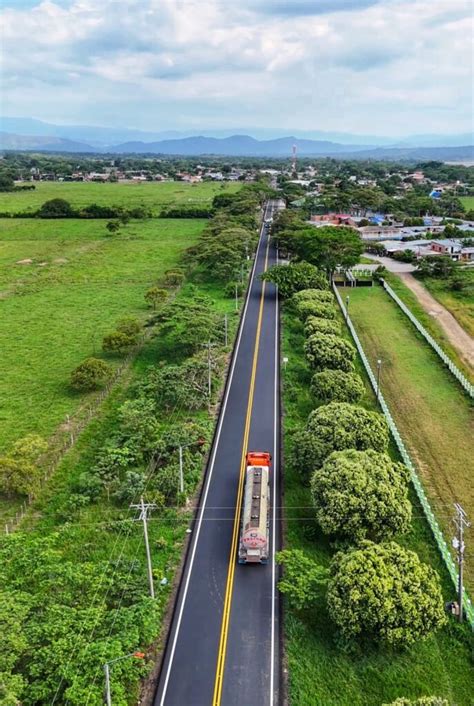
293, 164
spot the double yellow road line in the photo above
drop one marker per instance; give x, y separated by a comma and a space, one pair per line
221, 655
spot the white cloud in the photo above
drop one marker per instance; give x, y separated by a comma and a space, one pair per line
386, 66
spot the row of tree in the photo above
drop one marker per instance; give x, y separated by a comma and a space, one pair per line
375, 589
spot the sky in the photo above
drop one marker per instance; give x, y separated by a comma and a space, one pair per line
381, 67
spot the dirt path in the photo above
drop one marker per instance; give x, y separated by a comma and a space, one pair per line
461, 340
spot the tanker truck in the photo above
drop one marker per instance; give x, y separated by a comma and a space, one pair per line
254, 529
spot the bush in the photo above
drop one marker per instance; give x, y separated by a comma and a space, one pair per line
117, 342
92, 374
319, 295
337, 386
166, 482
129, 326
156, 295
361, 495
184, 385
315, 324
383, 592
229, 289
329, 351
56, 208
309, 307
295, 277
303, 580
335, 427
173, 278
422, 701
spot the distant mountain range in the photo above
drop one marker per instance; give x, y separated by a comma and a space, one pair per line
107, 137
237, 146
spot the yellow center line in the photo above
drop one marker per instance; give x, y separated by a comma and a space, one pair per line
221, 655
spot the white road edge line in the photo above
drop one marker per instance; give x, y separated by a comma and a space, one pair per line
211, 468
275, 466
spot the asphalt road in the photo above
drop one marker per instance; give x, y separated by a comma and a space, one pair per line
223, 647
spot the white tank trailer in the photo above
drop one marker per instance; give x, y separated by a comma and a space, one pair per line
254, 530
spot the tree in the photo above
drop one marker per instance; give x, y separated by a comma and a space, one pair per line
294, 277
361, 495
173, 278
321, 296
337, 386
304, 581
440, 266
6, 182
329, 247
311, 307
384, 593
329, 351
56, 208
91, 374
335, 427
117, 342
317, 324
113, 227
155, 296
129, 326
19, 472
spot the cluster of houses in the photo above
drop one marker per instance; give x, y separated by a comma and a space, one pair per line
458, 249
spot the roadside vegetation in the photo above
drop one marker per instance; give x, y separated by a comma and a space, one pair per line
73, 575
354, 527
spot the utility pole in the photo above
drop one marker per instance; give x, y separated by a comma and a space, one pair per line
144, 508
460, 520
209, 369
347, 307
108, 696
236, 296
379, 365
181, 472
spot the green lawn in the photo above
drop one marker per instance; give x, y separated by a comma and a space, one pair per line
460, 304
433, 414
321, 673
55, 314
154, 195
467, 201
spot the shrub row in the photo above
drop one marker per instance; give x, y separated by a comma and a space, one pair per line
376, 590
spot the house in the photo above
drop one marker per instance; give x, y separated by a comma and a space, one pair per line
332, 219
378, 232
467, 254
448, 246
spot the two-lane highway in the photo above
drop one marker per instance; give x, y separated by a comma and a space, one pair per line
223, 646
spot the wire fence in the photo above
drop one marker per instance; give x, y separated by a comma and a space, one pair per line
468, 387
427, 510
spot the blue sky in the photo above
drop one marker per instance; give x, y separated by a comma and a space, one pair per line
388, 67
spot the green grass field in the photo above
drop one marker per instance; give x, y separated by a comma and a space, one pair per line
467, 201
319, 672
432, 413
153, 195
55, 314
460, 304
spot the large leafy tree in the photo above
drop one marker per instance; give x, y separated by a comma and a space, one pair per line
19, 472
324, 350
329, 247
335, 427
384, 593
294, 277
361, 495
337, 386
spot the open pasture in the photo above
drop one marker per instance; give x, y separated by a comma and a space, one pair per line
153, 195
73, 286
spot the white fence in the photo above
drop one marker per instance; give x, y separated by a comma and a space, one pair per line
430, 517
469, 388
